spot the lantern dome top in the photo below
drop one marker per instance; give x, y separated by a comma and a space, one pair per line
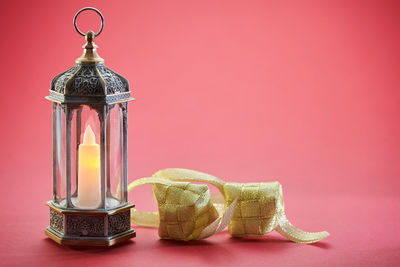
89, 81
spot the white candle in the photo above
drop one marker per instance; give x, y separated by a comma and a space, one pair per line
89, 190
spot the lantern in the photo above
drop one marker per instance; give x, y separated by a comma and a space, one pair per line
90, 125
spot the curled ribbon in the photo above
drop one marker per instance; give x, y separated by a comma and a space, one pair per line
187, 211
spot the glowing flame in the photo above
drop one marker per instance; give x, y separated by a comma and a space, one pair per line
89, 138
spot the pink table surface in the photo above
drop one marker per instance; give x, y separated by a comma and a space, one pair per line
364, 232
303, 92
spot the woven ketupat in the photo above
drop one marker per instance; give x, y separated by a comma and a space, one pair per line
185, 210
256, 209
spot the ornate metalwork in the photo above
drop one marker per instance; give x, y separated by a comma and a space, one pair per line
89, 81
119, 223
77, 225
56, 221
100, 228
106, 99
114, 83
86, 81
58, 83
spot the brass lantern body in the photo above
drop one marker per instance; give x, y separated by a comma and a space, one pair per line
89, 93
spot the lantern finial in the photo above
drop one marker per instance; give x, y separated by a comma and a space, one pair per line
89, 53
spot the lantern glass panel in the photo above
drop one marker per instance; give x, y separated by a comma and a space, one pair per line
114, 132
59, 175
75, 137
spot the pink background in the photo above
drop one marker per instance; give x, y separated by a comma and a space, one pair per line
304, 92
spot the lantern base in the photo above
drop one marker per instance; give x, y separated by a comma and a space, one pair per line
89, 228
90, 242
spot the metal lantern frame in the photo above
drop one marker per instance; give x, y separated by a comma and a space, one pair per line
93, 89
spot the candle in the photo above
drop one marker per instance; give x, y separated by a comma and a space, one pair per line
89, 190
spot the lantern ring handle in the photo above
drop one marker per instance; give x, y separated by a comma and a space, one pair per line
95, 10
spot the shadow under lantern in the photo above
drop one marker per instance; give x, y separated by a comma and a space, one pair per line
90, 122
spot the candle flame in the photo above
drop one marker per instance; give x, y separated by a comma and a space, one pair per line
89, 138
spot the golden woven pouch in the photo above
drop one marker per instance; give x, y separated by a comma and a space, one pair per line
256, 211
187, 212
